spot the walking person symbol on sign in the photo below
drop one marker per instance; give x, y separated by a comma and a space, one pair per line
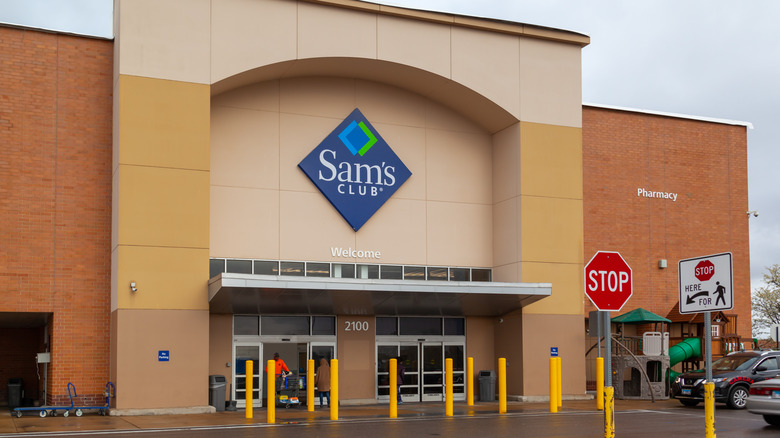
720, 291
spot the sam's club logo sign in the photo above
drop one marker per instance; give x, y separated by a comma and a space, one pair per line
355, 169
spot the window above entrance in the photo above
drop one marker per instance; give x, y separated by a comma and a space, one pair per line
347, 270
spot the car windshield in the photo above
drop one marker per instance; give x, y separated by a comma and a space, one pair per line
733, 363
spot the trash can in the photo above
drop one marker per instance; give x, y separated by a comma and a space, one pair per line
14, 392
487, 385
217, 386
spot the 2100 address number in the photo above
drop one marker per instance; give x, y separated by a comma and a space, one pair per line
356, 326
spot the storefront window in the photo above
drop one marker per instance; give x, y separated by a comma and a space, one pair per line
392, 272
386, 325
339, 270
323, 325
239, 266
317, 269
266, 267
420, 326
480, 275
246, 325
284, 325
454, 327
414, 273
216, 267
292, 268
459, 274
436, 273
368, 271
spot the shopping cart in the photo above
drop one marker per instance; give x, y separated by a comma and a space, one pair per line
287, 390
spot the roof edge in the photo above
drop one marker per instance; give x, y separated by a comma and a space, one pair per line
667, 114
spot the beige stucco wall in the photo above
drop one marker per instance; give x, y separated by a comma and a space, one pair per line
263, 206
217, 101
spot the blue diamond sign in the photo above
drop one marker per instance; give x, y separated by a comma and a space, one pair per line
355, 169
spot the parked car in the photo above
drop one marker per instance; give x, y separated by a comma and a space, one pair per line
764, 400
732, 375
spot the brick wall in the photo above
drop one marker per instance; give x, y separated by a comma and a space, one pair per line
704, 163
55, 197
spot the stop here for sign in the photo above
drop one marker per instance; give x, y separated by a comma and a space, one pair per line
608, 281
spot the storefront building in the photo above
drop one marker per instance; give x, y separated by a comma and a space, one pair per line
314, 178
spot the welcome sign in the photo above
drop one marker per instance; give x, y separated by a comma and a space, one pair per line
355, 169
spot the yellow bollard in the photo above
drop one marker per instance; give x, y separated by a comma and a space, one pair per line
501, 385
310, 386
559, 397
334, 389
709, 410
553, 387
250, 395
448, 386
270, 370
470, 381
600, 383
609, 412
393, 388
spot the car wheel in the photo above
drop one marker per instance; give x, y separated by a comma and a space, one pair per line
737, 397
689, 402
774, 420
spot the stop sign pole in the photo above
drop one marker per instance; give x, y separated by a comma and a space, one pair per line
608, 285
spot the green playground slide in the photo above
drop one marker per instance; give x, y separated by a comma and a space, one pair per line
688, 348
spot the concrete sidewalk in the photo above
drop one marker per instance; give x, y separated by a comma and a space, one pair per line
31, 423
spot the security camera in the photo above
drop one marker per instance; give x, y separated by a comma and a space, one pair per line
132, 287
755, 214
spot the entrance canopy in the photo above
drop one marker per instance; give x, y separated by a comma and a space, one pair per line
256, 294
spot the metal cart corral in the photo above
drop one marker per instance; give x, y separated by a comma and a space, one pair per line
43, 411
102, 410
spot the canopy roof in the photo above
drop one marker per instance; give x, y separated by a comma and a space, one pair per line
639, 316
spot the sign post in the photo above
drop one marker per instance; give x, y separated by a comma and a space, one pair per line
774, 333
706, 285
608, 285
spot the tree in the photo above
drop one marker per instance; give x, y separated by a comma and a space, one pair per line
766, 301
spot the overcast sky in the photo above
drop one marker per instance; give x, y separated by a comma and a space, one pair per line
710, 58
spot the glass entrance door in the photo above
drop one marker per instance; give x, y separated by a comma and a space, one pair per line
424, 365
241, 354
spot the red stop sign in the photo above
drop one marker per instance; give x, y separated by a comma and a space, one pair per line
704, 270
608, 281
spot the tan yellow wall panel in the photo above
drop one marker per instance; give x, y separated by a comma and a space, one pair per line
244, 148
165, 39
149, 383
244, 223
488, 63
221, 347
163, 207
550, 83
551, 161
506, 163
398, 231
422, 45
540, 333
309, 226
459, 167
567, 287
166, 278
163, 123
324, 31
508, 344
506, 233
551, 230
250, 34
385, 104
460, 234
